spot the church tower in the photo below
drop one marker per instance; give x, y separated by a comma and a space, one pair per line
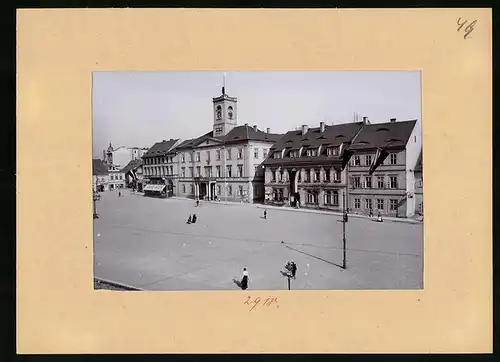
225, 112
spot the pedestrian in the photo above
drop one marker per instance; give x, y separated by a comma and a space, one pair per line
194, 218
379, 217
244, 279
293, 268
189, 219
371, 212
119, 194
197, 202
265, 214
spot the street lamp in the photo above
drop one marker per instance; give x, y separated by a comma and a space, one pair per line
94, 199
344, 220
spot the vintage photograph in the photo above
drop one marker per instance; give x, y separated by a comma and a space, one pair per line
257, 180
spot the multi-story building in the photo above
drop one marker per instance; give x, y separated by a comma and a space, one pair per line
381, 178
305, 167
116, 178
225, 163
160, 166
419, 201
100, 176
131, 172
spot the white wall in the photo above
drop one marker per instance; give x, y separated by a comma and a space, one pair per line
413, 148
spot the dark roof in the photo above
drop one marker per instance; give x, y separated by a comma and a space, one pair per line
236, 135
332, 136
389, 134
132, 165
99, 167
247, 133
160, 148
418, 166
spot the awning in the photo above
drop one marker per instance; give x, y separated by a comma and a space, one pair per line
157, 188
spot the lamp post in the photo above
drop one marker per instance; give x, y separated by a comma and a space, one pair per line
94, 199
344, 219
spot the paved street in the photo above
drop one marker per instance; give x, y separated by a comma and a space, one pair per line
146, 243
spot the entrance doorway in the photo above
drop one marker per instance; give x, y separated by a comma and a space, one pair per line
203, 191
212, 191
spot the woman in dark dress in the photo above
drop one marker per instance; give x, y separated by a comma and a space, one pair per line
244, 280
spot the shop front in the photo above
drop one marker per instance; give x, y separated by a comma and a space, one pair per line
155, 191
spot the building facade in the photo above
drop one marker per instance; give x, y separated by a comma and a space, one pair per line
160, 166
131, 173
381, 178
419, 187
225, 163
362, 167
100, 176
305, 167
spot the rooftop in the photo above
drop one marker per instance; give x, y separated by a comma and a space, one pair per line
161, 148
389, 134
99, 167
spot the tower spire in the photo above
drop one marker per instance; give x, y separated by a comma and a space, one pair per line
224, 84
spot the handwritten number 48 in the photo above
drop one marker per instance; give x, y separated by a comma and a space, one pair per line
469, 27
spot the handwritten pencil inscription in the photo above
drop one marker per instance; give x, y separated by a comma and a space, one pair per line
267, 302
466, 26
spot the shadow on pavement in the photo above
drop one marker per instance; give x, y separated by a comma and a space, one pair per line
313, 256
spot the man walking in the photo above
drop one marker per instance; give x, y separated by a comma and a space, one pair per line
265, 214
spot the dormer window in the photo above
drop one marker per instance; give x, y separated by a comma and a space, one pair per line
332, 151
277, 154
312, 152
294, 153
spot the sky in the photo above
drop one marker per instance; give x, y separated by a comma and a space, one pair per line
140, 108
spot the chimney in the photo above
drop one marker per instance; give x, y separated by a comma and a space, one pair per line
365, 120
246, 124
164, 141
268, 130
393, 120
103, 155
305, 128
255, 127
322, 127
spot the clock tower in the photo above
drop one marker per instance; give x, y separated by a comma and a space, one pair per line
225, 113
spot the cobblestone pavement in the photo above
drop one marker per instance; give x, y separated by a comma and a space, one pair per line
146, 243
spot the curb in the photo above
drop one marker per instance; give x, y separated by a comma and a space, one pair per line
115, 284
307, 211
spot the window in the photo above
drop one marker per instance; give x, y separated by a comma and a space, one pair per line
198, 171
218, 130
332, 197
368, 204
228, 171
368, 182
190, 189
312, 197
368, 160
380, 204
240, 171
357, 203
316, 176
228, 154
217, 155
208, 156
240, 190
190, 157
256, 153
299, 178
312, 152
393, 182
240, 153
277, 154
273, 176
229, 190
393, 158
264, 152
183, 172
394, 205
183, 157
294, 154
356, 181
208, 171
357, 161
335, 196
380, 182
308, 176
190, 172
171, 170
183, 189
332, 151
197, 157
327, 175
336, 175
219, 189
217, 171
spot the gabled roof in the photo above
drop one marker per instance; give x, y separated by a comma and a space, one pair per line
99, 167
418, 165
383, 135
132, 165
332, 136
160, 148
